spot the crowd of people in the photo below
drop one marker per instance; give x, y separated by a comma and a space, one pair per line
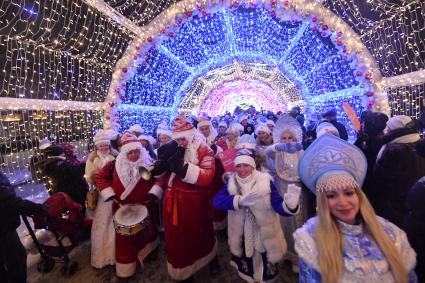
292, 191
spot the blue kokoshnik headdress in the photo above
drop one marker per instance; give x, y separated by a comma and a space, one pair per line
331, 163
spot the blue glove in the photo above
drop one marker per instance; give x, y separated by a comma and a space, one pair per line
289, 147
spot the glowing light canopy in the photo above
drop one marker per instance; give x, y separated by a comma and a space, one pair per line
231, 94
273, 45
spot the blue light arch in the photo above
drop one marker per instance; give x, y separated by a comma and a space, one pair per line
245, 34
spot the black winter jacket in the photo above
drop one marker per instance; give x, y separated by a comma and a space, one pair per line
12, 206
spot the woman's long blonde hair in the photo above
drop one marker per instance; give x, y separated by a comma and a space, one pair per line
331, 241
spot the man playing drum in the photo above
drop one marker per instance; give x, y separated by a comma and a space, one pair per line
124, 185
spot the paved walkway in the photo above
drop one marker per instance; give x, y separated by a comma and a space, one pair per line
155, 269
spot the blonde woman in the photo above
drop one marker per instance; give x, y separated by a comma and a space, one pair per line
102, 232
232, 137
282, 164
347, 242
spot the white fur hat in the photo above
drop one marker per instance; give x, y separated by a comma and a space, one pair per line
101, 137
244, 156
246, 141
136, 129
203, 122
262, 128
222, 124
243, 117
163, 130
148, 138
270, 122
326, 128
398, 122
129, 142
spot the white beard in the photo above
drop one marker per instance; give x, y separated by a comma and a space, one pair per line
128, 172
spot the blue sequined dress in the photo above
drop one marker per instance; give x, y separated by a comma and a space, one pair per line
363, 259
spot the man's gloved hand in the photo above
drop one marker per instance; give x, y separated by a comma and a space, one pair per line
151, 201
176, 162
165, 151
248, 199
292, 197
159, 167
214, 148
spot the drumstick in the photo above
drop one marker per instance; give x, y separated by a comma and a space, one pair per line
115, 200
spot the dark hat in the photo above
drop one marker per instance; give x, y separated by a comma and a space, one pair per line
329, 113
54, 150
375, 123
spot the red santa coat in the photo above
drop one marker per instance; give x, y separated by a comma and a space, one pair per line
128, 248
189, 233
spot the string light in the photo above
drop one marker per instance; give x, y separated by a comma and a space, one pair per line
148, 59
193, 34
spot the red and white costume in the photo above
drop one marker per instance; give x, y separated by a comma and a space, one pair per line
189, 233
129, 188
219, 215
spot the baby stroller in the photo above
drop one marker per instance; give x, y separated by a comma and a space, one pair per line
64, 219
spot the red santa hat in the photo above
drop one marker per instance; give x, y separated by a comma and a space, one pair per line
148, 138
163, 130
182, 128
203, 122
129, 142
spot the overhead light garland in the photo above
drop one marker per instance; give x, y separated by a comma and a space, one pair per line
160, 35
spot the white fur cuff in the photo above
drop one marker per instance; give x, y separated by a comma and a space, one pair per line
107, 193
192, 174
236, 202
287, 210
156, 190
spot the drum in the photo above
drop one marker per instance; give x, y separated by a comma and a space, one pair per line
131, 219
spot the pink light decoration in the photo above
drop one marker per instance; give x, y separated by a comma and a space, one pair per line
231, 94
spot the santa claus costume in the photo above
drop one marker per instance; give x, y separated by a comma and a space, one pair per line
219, 215
127, 187
189, 233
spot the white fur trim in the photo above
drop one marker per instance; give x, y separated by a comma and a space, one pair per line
246, 145
183, 134
306, 248
192, 174
131, 146
125, 270
262, 128
203, 123
107, 193
245, 159
150, 247
157, 191
164, 132
236, 202
267, 220
287, 210
185, 272
99, 142
136, 128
